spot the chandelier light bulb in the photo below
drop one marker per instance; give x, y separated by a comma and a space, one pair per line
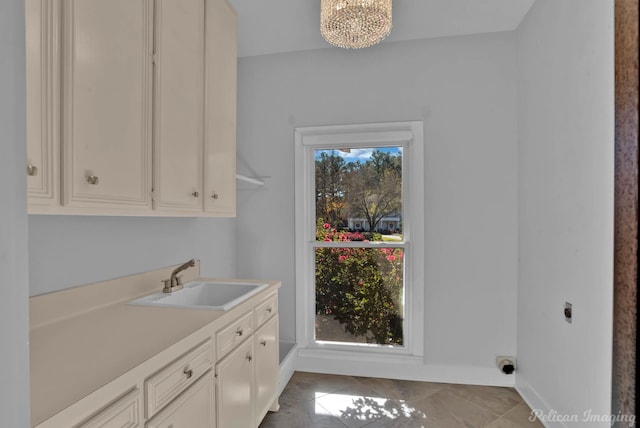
355, 24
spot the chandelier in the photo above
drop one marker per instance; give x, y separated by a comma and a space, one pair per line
355, 24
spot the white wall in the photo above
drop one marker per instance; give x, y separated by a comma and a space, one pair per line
67, 251
14, 288
565, 162
464, 89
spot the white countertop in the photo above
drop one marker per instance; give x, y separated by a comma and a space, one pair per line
76, 347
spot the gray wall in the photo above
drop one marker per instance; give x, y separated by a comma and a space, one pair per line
14, 337
566, 147
67, 251
464, 89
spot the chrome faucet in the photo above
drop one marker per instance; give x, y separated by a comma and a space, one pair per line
174, 283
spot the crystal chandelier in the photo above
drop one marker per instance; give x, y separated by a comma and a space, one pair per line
355, 24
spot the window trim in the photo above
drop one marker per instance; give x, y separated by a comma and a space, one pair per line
307, 140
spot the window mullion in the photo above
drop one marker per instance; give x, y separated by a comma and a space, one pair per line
356, 244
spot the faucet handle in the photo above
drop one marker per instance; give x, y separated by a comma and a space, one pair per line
178, 280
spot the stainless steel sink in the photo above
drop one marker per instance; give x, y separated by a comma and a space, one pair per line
218, 296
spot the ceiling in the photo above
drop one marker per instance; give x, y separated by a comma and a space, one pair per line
274, 26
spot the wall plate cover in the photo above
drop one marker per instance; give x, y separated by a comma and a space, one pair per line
506, 364
568, 312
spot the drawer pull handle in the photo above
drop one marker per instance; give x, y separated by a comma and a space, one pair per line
269, 310
239, 332
195, 194
32, 170
93, 179
263, 342
188, 373
215, 196
249, 357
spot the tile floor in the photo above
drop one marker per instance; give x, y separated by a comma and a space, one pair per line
327, 401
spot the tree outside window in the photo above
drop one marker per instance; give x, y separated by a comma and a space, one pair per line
359, 287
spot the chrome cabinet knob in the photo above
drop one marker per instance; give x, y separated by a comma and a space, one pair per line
93, 179
32, 170
195, 194
239, 332
215, 196
249, 357
263, 342
188, 373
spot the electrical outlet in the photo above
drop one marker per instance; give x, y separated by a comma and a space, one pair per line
568, 312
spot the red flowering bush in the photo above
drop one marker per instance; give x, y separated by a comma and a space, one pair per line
360, 287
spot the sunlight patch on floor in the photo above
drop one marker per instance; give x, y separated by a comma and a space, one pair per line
364, 408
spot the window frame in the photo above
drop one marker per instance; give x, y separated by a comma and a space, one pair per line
408, 135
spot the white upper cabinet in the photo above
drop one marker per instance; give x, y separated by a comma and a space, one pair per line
220, 109
131, 107
178, 104
107, 83
42, 67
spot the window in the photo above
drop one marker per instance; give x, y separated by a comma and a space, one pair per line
359, 279
359, 223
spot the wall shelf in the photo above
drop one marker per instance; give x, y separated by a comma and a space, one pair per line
251, 180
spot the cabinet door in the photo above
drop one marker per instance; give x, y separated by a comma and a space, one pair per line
267, 365
235, 377
43, 91
220, 109
107, 79
179, 104
193, 409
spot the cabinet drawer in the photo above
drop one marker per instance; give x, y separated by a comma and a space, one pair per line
234, 334
124, 413
193, 409
266, 309
170, 381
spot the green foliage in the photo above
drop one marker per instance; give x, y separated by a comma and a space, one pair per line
370, 189
360, 287
330, 202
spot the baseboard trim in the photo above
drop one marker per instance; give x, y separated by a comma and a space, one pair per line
287, 367
537, 404
396, 367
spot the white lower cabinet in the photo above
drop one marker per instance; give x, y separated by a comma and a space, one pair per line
124, 413
165, 385
235, 378
247, 377
195, 408
224, 376
267, 366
